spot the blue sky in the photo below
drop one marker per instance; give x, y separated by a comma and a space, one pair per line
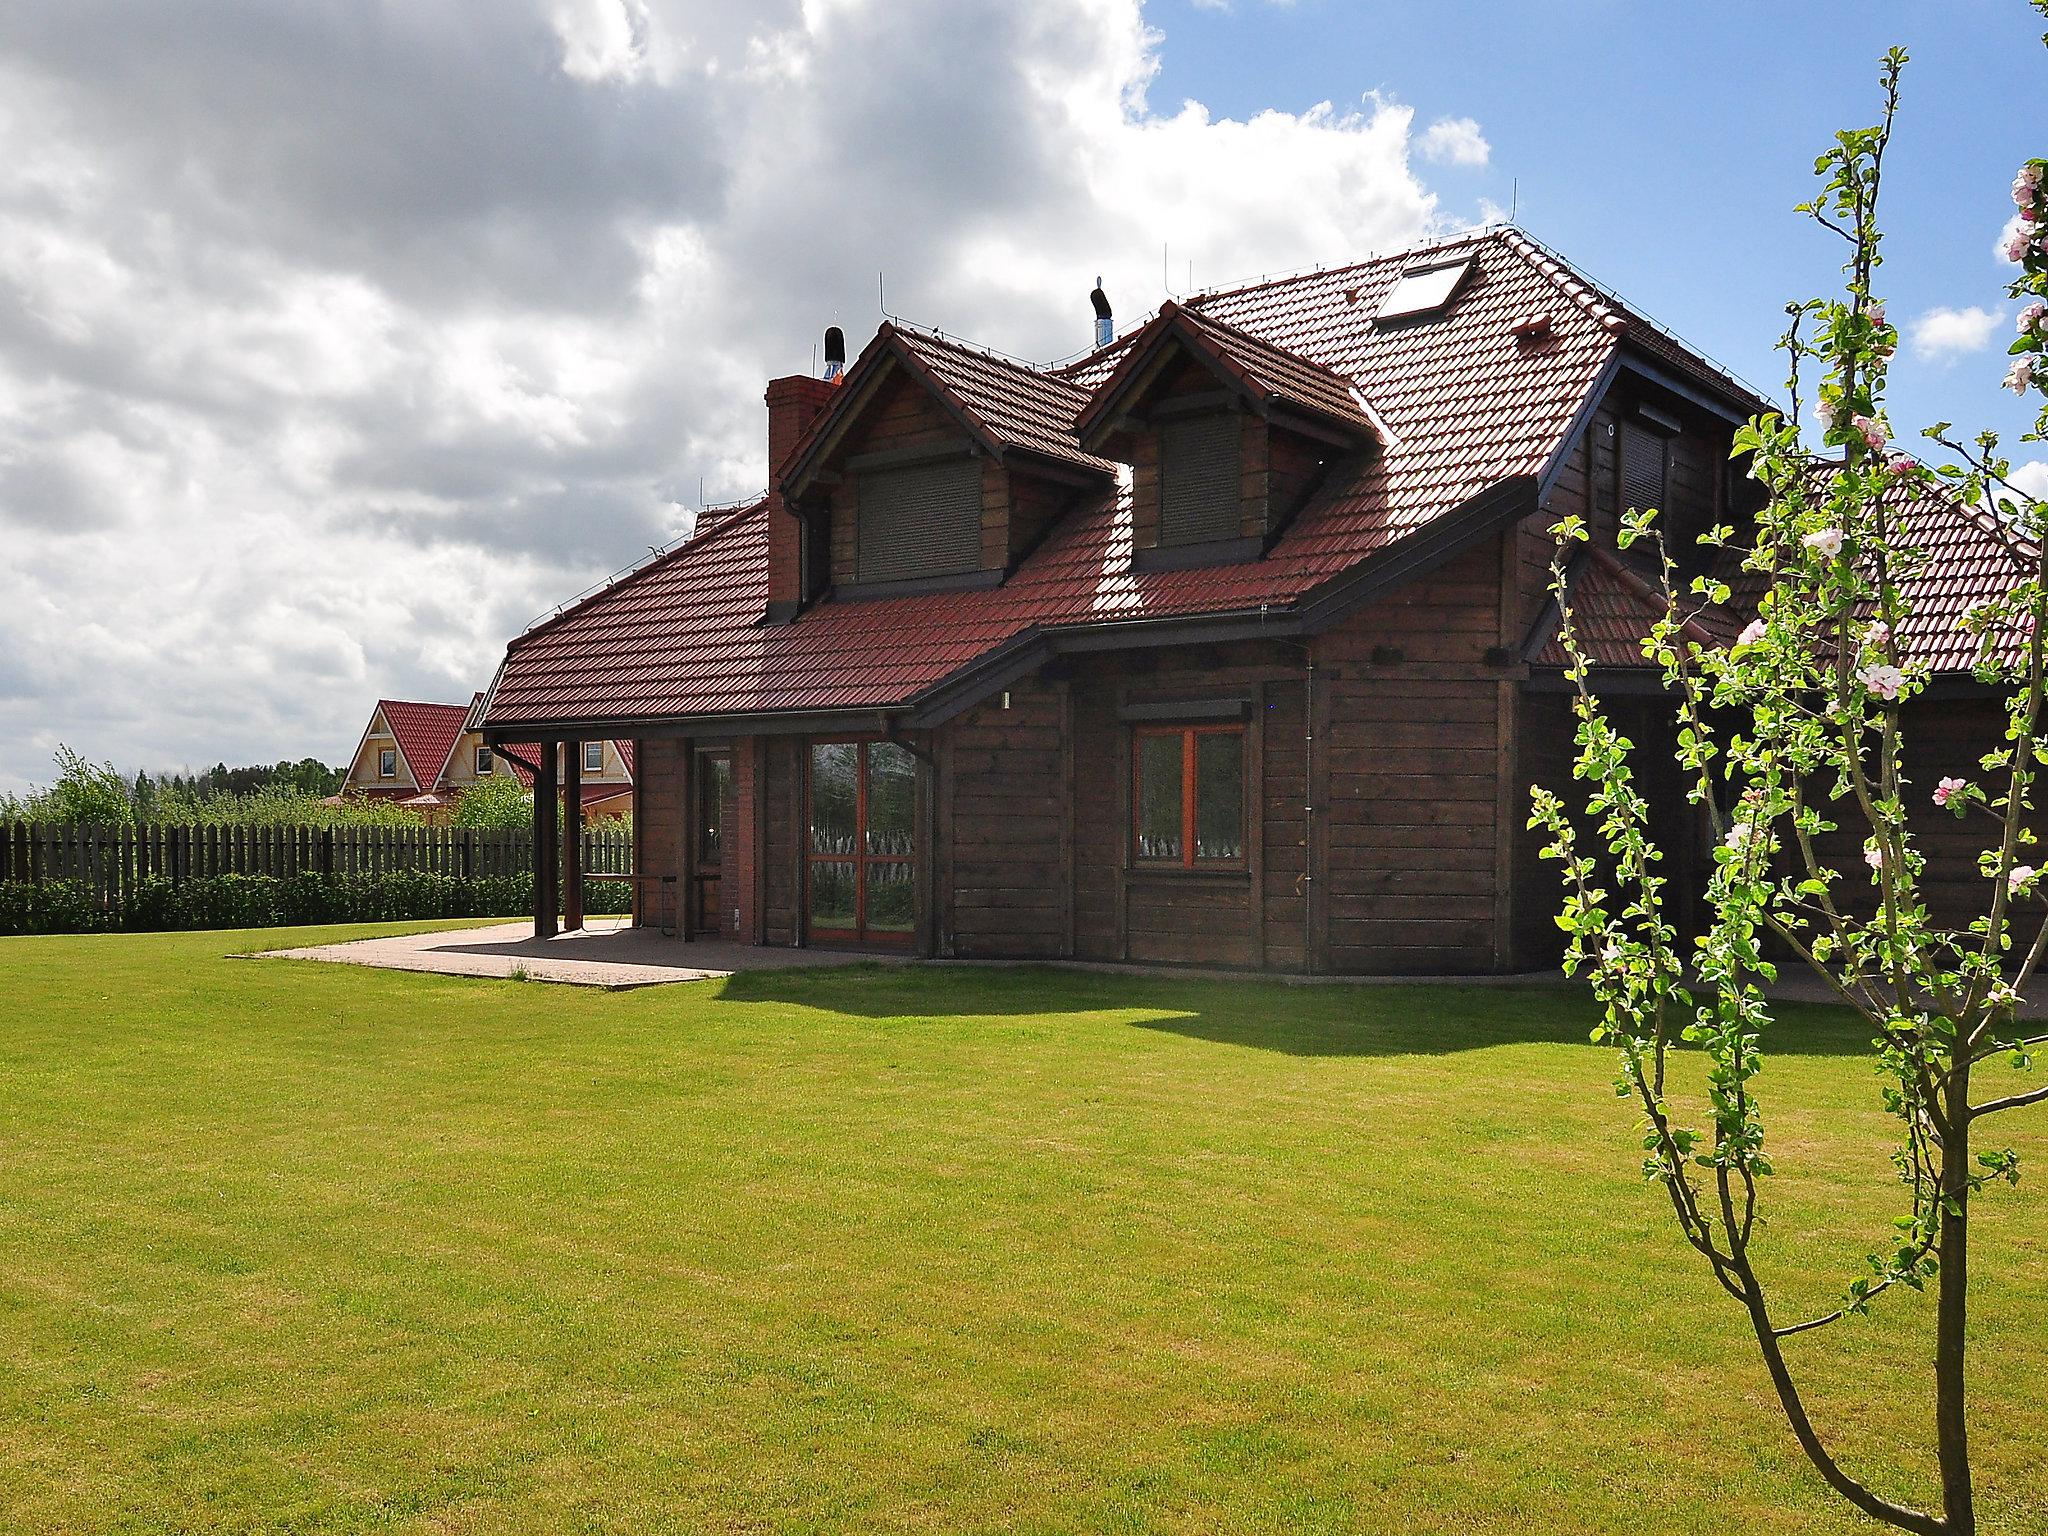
1662, 146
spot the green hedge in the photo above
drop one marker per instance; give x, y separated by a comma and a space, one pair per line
267, 901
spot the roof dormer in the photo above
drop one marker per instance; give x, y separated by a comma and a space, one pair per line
1226, 435
934, 466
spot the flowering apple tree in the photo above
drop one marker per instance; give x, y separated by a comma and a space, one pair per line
1791, 738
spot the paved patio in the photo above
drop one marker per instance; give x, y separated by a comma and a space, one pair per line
607, 954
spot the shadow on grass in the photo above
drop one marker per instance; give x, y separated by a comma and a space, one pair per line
1390, 1019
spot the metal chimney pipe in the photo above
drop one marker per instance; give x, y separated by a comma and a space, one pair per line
1105, 322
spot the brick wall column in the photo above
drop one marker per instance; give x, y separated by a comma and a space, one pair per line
793, 404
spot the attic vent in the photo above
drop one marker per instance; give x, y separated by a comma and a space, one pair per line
1424, 290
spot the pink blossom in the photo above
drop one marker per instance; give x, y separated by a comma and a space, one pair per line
1875, 312
1900, 464
1947, 788
1738, 836
2025, 183
2027, 212
2016, 247
1827, 540
1752, 632
1873, 434
1874, 857
1884, 681
2019, 875
1878, 633
2031, 316
2019, 375
1825, 410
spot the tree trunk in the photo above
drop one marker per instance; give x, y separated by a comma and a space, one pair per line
1952, 1436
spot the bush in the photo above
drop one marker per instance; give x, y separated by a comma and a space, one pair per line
266, 901
53, 906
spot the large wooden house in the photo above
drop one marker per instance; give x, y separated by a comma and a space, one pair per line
1229, 644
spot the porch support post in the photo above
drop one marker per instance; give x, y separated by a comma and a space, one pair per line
544, 840
572, 835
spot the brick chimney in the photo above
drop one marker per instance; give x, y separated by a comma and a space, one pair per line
793, 404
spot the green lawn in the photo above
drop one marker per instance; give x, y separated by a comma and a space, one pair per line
294, 1247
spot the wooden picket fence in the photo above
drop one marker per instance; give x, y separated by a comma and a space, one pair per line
114, 859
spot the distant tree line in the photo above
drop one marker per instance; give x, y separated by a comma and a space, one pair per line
284, 795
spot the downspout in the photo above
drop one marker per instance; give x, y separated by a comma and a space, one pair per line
1308, 809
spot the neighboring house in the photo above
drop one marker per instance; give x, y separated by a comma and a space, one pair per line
1229, 644
424, 756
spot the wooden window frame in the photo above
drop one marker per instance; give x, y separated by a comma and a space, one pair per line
588, 765
392, 771
1189, 734
486, 763
860, 858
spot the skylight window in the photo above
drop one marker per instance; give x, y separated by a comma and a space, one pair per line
1424, 290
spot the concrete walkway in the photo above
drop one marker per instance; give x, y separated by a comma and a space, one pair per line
607, 954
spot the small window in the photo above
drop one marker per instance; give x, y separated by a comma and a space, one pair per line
387, 762
1424, 290
1645, 458
919, 520
593, 757
1201, 491
1188, 796
484, 764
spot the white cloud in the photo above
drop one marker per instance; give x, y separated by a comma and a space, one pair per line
2031, 479
1943, 334
1454, 141
337, 342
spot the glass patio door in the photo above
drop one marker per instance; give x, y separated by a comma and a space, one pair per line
861, 842
713, 788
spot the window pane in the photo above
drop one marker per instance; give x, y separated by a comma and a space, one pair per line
1219, 795
593, 756
832, 894
892, 897
1159, 803
892, 799
833, 800
714, 778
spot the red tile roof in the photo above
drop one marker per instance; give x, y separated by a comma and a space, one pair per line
426, 735
1006, 405
1267, 373
1967, 561
1613, 609
1464, 405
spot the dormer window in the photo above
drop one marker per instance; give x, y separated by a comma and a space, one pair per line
919, 520
387, 762
1201, 485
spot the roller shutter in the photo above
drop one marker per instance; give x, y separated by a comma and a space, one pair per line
920, 520
1644, 455
1200, 492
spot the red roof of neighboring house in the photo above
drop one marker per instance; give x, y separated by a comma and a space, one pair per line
426, 735
1465, 406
